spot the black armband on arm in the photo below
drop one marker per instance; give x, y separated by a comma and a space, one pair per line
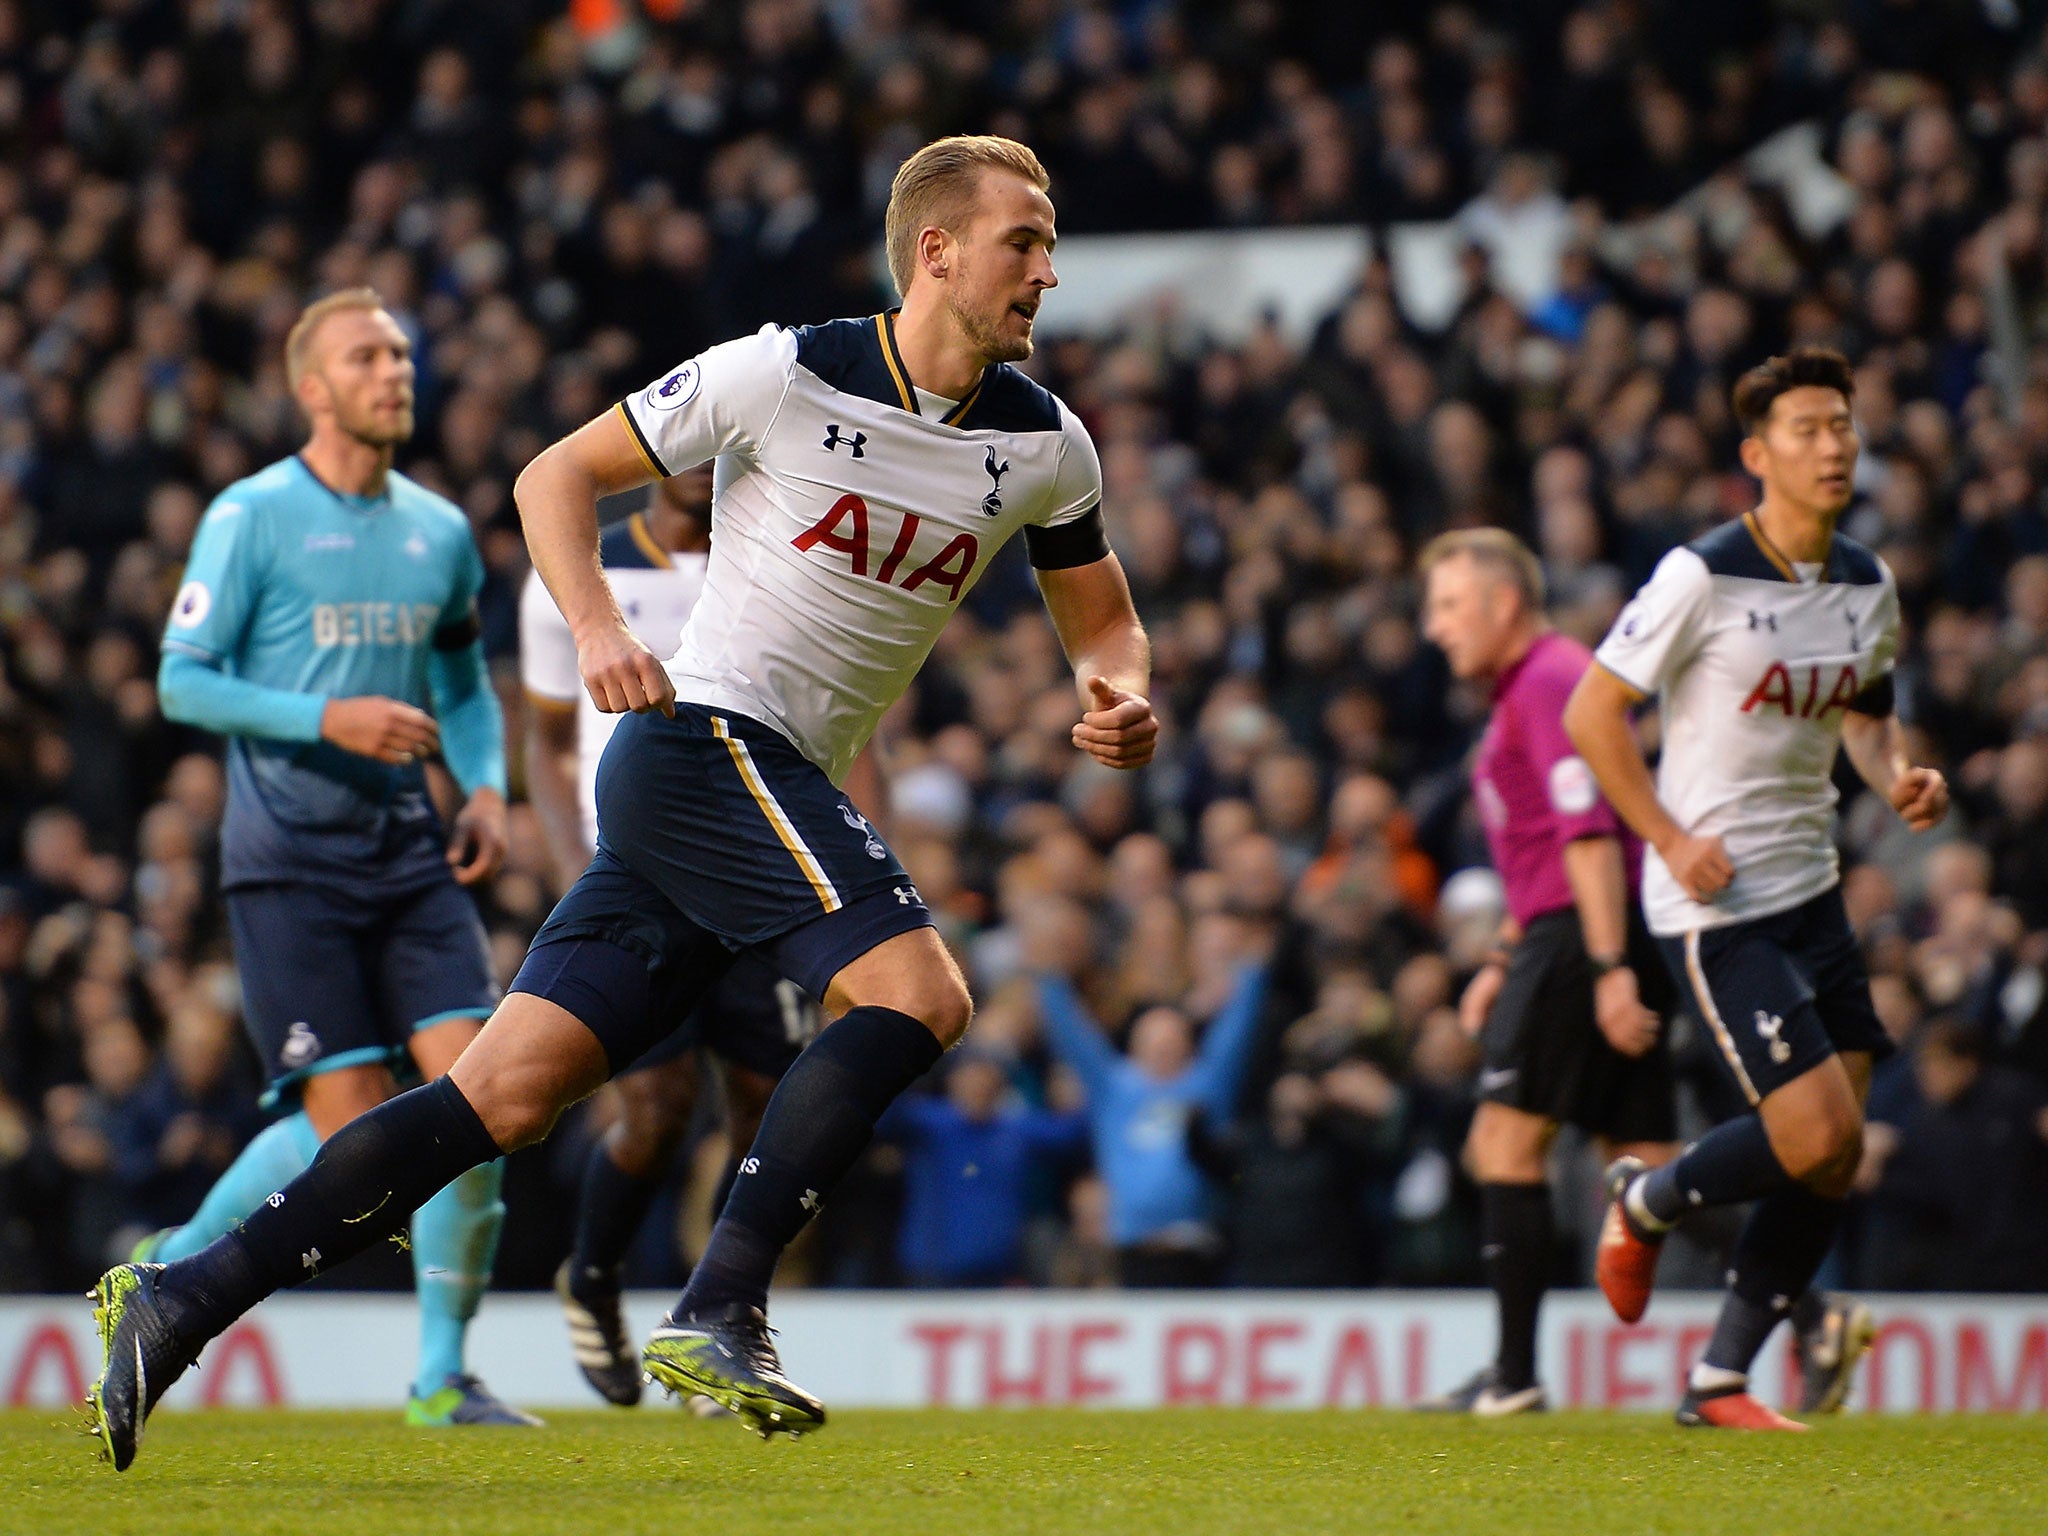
459, 633
1080, 542
1878, 700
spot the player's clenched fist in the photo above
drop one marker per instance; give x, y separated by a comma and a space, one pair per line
1120, 730
1920, 796
385, 729
623, 675
1700, 865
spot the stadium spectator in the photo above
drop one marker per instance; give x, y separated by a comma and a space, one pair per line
1162, 1209
971, 1158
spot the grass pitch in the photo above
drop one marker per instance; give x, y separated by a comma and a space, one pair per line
1184, 1473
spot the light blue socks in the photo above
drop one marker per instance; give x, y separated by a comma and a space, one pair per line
454, 1245
280, 1153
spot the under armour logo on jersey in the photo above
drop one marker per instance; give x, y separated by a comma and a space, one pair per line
1763, 621
856, 442
905, 895
311, 1260
992, 503
1768, 1025
811, 1202
859, 823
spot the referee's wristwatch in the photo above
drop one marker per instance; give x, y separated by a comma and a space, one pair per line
1604, 966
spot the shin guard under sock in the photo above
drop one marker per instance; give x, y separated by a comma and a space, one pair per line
1775, 1259
368, 1179
1731, 1163
819, 1120
609, 1211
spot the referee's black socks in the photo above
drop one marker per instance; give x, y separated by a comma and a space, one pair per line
368, 1179
819, 1120
1516, 1238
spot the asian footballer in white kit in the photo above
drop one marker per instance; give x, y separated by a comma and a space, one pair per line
1770, 644
868, 470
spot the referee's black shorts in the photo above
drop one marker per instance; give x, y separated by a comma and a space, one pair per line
1541, 1051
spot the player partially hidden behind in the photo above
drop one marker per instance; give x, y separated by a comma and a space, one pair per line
869, 470
329, 606
754, 1022
1769, 642
1568, 1015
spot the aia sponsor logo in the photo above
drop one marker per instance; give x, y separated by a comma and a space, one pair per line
1804, 693
845, 528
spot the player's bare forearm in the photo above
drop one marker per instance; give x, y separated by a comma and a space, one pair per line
1112, 660
1596, 717
557, 496
1599, 880
551, 786
1098, 627
1877, 747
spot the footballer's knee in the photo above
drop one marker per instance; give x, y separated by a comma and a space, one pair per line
912, 973
532, 1061
1508, 1146
947, 1008
654, 1110
332, 1099
1815, 1124
1829, 1168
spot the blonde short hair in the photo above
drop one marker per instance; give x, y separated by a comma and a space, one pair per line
936, 187
1499, 552
298, 346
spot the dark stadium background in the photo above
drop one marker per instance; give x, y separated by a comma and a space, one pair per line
559, 204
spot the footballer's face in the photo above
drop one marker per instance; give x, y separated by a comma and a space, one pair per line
1469, 614
1804, 451
361, 372
1001, 266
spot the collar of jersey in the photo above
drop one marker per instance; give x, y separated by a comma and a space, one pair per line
367, 505
1779, 562
899, 375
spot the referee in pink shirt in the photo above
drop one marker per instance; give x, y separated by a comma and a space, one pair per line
1567, 1010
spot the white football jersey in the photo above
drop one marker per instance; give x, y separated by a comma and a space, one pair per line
846, 524
1754, 664
656, 588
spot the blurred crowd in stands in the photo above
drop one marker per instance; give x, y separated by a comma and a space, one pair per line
1217, 1039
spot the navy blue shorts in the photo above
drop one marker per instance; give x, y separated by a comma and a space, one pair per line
752, 1018
715, 837
1780, 994
340, 979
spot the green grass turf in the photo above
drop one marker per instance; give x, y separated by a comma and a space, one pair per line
1188, 1473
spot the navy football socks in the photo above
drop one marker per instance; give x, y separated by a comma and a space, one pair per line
364, 1185
609, 1212
1775, 1259
821, 1117
1731, 1163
